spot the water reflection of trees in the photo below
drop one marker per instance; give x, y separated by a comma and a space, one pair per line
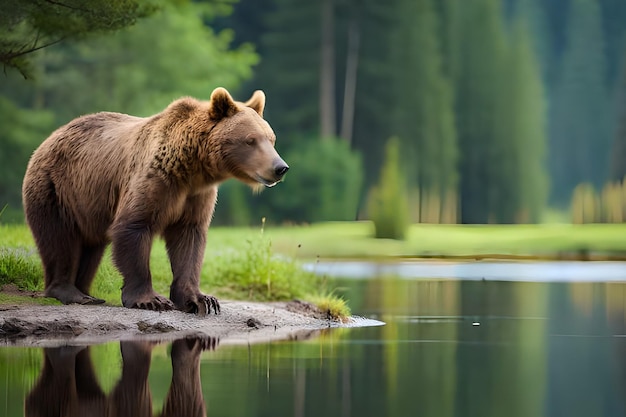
68, 386
537, 349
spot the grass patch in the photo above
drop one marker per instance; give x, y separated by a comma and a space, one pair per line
333, 306
254, 272
21, 299
21, 267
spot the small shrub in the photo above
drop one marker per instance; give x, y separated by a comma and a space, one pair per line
388, 203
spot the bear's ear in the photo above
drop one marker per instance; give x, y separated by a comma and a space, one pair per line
222, 104
257, 102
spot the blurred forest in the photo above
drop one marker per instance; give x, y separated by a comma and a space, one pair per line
501, 108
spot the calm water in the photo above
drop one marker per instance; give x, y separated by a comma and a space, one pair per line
451, 347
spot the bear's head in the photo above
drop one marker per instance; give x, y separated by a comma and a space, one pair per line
245, 140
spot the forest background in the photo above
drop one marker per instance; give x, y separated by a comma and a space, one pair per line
450, 111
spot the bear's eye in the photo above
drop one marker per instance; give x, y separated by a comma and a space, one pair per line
250, 141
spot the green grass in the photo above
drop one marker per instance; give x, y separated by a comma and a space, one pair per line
20, 266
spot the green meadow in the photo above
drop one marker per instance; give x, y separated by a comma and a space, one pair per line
354, 240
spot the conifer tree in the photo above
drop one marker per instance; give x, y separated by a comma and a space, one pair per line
374, 93
424, 112
27, 26
289, 69
520, 189
580, 120
480, 65
618, 151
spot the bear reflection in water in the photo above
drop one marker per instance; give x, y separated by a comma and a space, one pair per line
68, 386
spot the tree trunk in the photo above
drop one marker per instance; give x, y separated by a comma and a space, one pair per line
327, 72
352, 62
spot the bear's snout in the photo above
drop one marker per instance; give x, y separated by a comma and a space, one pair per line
273, 177
281, 169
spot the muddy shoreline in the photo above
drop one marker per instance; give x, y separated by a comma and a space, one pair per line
239, 322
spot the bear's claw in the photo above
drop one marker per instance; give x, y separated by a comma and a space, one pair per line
152, 306
202, 305
89, 300
156, 303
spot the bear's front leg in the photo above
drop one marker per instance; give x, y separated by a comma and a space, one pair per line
185, 246
132, 242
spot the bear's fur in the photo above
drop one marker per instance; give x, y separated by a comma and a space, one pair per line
110, 177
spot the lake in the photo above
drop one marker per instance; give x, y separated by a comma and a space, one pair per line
461, 339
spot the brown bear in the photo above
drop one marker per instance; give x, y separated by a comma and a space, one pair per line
110, 177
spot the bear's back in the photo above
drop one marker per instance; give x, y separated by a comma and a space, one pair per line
87, 162
103, 126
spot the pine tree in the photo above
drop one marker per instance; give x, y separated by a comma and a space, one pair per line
480, 65
449, 12
534, 14
580, 120
424, 113
289, 71
374, 93
27, 26
618, 152
521, 186
328, 113
613, 16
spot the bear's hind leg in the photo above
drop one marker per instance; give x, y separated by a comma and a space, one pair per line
58, 244
60, 267
90, 257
